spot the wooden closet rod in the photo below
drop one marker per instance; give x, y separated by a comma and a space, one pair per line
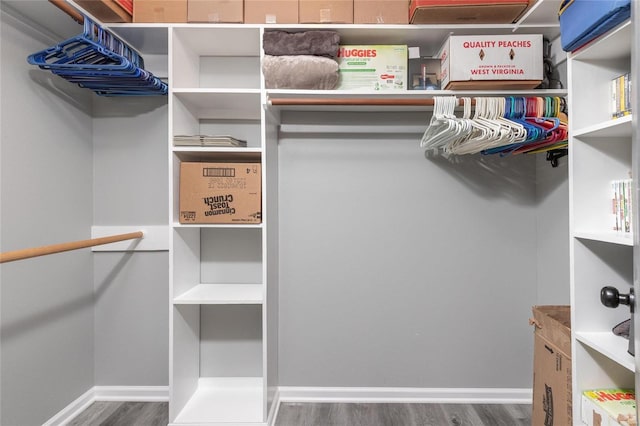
69, 10
355, 101
10, 256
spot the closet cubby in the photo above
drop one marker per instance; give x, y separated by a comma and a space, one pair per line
218, 362
601, 150
216, 57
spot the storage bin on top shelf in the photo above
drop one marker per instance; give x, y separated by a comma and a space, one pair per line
581, 21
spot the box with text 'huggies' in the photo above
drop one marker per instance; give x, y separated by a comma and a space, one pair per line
492, 62
220, 193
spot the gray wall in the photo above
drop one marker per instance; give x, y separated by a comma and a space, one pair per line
399, 270
47, 312
552, 224
71, 160
132, 289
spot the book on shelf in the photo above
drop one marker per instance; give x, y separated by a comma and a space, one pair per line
621, 206
621, 96
208, 140
609, 407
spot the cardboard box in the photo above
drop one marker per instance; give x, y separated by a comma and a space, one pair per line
552, 404
372, 67
466, 11
609, 407
270, 11
173, 11
224, 11
380, 11
325, 11
492, 62
105, 10
220, 193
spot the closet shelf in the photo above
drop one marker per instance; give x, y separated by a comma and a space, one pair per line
615, 128
226, 400
360, 101
606, 237
221, 294
610, 345
218, 225
612, 46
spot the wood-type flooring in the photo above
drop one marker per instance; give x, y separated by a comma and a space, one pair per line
327, 414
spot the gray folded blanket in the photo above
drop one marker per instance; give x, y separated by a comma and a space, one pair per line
319, 43
302, 72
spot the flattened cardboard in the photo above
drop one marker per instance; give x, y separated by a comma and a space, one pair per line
552, 393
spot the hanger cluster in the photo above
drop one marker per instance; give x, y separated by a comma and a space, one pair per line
98, 60
499, 125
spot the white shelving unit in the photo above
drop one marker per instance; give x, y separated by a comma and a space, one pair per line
224, 294
601, 150
219, 273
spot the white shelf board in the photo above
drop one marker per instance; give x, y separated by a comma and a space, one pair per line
221, 294
615, 128
221, 103
613, 45
218, 225
612, 346
155, 238
606, 237
217, 154
224, 400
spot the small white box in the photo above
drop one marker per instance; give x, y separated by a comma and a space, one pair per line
373, 67
499, 62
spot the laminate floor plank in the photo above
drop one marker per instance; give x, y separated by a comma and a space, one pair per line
123, 414
327, 414
459, 415
494, 414
95, 414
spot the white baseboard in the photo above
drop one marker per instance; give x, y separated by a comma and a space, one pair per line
72, 410
307, 394
108, 393
406, 395
275, 406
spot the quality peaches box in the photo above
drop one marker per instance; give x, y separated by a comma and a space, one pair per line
492, 62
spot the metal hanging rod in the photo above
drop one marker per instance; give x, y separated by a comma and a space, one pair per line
10, 256
354, 101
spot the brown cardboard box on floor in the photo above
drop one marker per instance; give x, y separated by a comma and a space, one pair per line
325, 11
270, 11
552, 366
214, 11
380, 11
220, 193
171, 11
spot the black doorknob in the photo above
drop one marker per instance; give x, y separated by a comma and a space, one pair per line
611, 297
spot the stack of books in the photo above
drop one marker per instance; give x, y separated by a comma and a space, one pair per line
621, 96
208, 140
621, 201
